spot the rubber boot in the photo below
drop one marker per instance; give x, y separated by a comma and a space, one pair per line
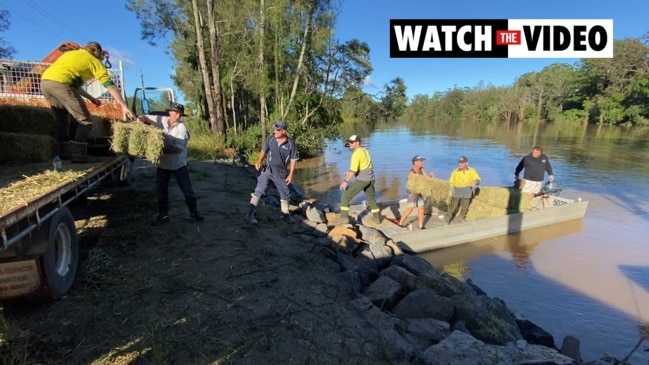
64, 150
286, 215
250, 217
79, 153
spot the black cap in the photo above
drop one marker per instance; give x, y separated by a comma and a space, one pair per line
352, 139
177, 108
463, 159
280, 124
417, 158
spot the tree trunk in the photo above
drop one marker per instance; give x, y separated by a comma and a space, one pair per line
216, 70
262, 67
207, 84
299, 66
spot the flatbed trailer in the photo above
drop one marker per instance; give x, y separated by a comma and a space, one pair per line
40, 249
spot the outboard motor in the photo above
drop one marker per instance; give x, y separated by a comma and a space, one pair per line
551, 188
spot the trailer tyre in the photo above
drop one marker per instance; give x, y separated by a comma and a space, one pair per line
60, 261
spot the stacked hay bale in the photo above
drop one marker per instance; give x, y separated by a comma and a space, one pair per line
139, 140
487, 202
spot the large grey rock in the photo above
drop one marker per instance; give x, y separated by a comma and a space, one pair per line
414, 264
424, 303
401, 276
366, 269
488, 319
425, 331
441, 284
383, 292
314, 214
372, 235
380, 253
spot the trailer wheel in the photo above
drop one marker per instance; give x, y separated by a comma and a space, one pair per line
59, 263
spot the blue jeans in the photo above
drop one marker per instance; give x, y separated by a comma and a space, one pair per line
162, 186
279, 181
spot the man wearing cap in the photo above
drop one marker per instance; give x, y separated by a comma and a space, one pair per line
62, 83
415, 200
361, 168
280, 153
173, 161
536, 164
463, 181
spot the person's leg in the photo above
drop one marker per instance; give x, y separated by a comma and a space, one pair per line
421, 215
352, 190
370, 194
464, 208
61, 119
185, 185
451, 209
405, 215
284, 196
162, 178
260, 190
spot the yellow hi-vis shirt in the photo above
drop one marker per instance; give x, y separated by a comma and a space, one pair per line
463, 178
76, 67
362, 165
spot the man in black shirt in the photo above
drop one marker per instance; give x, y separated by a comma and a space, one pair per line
535, 164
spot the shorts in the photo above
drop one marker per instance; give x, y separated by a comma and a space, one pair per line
531, 187
415, 201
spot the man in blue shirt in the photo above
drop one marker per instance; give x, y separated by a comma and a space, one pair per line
280, 153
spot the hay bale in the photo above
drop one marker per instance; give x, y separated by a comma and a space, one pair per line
139, 140
436, 191
24, 148
489, 201
27, 119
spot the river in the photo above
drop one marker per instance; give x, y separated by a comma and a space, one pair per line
587, 278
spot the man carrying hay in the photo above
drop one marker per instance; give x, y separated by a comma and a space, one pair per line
62, 83
415, 200
172, 162
280, 153
463, 181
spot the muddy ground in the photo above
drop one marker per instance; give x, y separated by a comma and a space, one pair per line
215, 292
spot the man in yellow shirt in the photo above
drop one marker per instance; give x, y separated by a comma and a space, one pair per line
62, 84
361, 168
463, 181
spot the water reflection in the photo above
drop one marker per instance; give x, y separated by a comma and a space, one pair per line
517, 247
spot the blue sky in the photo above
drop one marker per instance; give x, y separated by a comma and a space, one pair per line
38, 26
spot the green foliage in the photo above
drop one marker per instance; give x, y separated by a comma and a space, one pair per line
203, 144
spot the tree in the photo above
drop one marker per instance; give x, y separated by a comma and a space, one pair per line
6, 50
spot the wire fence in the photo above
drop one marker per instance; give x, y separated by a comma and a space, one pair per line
20, 84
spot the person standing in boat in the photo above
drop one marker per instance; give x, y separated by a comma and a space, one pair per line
415, 200
362, 171
535, 164
463, 182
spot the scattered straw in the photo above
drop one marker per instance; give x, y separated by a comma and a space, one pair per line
23, 191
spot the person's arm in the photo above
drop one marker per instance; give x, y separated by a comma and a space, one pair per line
476, 179
114, 92
92, 99
262, 156
432, 174
548, 169
519, 168
291, 169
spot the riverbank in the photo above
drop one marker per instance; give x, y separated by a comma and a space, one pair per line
223, 291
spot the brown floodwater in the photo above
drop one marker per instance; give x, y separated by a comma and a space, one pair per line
587, 278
